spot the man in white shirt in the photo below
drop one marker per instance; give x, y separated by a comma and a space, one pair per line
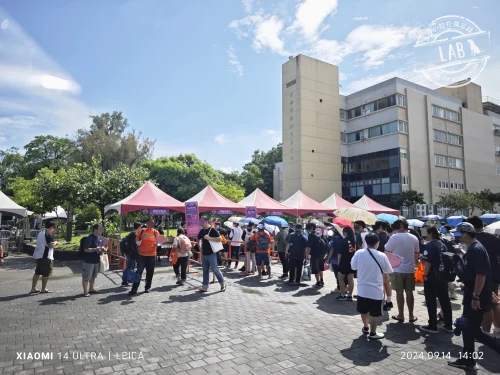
44, 257
371, 266
406, 246
235, 237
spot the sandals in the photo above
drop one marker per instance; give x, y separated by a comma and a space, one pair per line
34, 291
46, 291
395, 317
87, 295
413, 320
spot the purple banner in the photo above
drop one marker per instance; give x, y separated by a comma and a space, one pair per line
275, 213
251, 211
224, 212
159, 211
145, 212
192, 219
320, 214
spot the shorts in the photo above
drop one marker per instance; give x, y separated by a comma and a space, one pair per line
262, 257
90, 271
403, 282
317, 265
44, 267
368, 305
345, 269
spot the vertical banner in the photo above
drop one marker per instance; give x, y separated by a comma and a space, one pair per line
192, 219
251, 211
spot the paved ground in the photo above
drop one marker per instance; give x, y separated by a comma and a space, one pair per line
252, 328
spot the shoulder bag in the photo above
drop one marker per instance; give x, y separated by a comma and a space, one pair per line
215, 245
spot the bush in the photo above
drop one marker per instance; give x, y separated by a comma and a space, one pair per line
86, 216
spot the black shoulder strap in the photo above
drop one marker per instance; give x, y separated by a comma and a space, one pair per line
375, 259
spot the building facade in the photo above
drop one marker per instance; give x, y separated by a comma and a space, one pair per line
393, 136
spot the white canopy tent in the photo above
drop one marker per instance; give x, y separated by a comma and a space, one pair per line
8, 206
59, 213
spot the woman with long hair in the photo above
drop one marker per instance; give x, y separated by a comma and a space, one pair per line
347, 248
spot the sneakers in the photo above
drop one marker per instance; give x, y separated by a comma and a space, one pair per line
365, 330
132, 292
341, 298
349, 298
447, 329
463, 363
124, 283
318, 285
322, 283
427, 329
376, 336
284, 276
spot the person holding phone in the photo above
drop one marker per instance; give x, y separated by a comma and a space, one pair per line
91, 260
44, 257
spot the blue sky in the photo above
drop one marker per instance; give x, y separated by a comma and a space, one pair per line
201, 76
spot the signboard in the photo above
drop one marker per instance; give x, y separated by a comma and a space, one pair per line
145, 212
192, 219
224, 212
275, 213
159, 211
318, 214
251, 211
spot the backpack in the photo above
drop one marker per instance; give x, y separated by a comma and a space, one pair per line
185, 244
124, 245
262, 242
252, 246
447, 269
81, 249
461, 268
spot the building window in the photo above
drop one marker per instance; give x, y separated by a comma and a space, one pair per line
406, 180
441, 160
403, 126
395, 188
440, 136
454, 139
437, 111
497, 150
453, 116
401, 100
343, 115
343, 137
498, 169
404, 153
368, 108
291, 83
455, 162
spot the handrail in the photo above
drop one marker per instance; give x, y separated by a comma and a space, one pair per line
489, 99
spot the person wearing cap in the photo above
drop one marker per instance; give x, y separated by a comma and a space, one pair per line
477, 281
146, 242
314, 253
296, 252
263, 241
280, 240
249, 266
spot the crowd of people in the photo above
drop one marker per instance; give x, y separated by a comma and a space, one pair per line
383, 258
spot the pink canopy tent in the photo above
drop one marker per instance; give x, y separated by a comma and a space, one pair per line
335, 201
264, 203
369, 204
209, 200
146, 197
302, 204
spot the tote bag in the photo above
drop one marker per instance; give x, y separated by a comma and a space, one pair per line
104, 263
216, 246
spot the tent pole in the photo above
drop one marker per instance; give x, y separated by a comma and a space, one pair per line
120, 228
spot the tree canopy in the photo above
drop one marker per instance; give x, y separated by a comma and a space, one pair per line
409, 198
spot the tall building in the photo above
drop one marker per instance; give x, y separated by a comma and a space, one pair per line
393, 136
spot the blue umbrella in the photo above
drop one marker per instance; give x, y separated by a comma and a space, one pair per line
490, 218
387, 217
455, 220
276, 220
432, 217
252, 220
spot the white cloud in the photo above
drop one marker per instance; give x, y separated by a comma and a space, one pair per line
228, 169
36, 95
268, 132
309, 17
343, 76
474, 7
330, 51
371, 80
360, 18
274, 135
220, 139
247, 5
234, 62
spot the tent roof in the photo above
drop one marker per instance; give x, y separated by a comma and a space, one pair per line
7, 205
58, 213
369, 204
335, 201
303, 204
264, 203
210, 200
146, 197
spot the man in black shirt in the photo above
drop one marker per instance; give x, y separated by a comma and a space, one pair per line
434, 286
477, 297
314, 254
492, 246
296, 251
209, 258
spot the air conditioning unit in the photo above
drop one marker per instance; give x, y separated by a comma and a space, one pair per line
362, 137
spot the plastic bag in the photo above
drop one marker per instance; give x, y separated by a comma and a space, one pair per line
104, 263
306, 273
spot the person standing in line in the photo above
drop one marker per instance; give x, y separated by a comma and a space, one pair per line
131, 254
316, 248
434, 286
262, 258
333, 258
146, 241
296, 252
360, 229
91, 260
183, 246
406, 246
235, 237
1, 255
280, 240
347, 248
44, 257
209, 258
380, 228
371, 266
249, 267
478, 284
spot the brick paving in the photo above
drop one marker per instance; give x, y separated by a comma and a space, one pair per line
253, 328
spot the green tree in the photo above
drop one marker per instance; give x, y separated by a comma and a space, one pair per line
47, 151
265, 163
11, 166
24, 194
488, 195
463, 200
252, 179
230, 190
107, 140
409, 198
